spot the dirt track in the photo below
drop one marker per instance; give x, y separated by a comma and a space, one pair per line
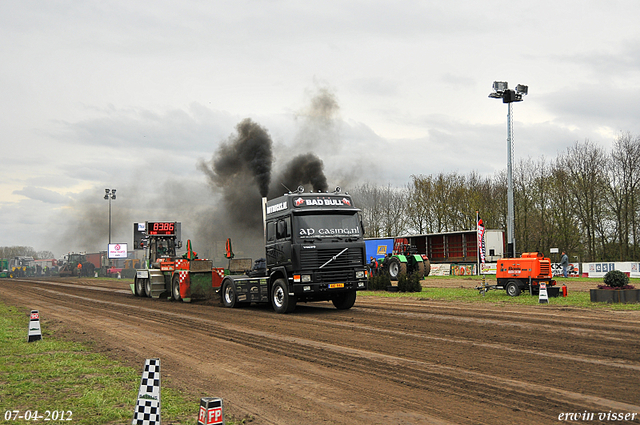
385, 361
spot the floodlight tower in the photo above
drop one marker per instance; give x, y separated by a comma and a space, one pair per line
109, 194
501, 91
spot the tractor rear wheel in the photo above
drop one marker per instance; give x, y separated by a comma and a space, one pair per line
427, 267
140, 287
175, 288
396, 268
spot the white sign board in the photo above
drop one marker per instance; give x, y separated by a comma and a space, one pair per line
553, 250
117, 250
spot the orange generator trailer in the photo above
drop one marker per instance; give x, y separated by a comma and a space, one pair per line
517, 274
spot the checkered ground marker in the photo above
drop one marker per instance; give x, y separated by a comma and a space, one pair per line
148, 405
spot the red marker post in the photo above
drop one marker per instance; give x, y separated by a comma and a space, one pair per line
211, 411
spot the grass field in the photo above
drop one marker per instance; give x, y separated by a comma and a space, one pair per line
574, 298
55, 377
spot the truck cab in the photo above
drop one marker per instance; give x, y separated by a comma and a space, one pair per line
314, 251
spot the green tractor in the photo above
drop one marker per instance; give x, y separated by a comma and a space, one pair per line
4, 268
70, 267
404, 260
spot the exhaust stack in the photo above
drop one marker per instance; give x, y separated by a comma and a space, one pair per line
264, 219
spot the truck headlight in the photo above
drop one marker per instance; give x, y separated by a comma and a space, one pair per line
306, 278
360, 284
360, 274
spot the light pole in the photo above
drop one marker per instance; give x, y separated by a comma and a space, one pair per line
501, 91
109, 194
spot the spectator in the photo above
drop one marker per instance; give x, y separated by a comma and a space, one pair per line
373, 266
564, 262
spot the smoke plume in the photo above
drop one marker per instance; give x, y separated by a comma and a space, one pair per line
303, 170
243, 168
247, 154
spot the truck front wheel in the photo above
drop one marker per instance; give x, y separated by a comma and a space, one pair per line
280, 299
513, 289
344, 301
229, 298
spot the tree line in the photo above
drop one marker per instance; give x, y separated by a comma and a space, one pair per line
583, 202
24, 251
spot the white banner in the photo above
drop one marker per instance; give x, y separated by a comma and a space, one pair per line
440, 270
117, 250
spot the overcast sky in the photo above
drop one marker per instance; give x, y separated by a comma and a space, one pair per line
132, 95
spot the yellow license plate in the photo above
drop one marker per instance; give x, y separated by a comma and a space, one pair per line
336, 285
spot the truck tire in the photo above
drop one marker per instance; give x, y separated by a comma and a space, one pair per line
281, 301
513, 289
344, 301
229, 297
175, 288
396, 268
140, 287
420, 269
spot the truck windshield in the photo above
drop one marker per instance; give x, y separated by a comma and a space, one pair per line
327, 226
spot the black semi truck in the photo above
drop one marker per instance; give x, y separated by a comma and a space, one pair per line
314, 251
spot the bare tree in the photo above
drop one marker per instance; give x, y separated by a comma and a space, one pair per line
624, 180
585, 164
420, 198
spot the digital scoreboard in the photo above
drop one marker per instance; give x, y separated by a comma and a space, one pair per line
161, 228
156, 229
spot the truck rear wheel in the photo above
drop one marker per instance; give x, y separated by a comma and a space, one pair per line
175, 288
229, 297
280, 299
344, 301
513, 289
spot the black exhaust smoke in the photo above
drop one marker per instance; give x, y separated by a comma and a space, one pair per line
249, 154
241, 172
304, 170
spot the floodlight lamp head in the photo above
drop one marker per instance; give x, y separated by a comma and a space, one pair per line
106, 191
500, 86
522, 89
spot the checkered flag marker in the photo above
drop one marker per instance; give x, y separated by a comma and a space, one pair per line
35, 333
148, 405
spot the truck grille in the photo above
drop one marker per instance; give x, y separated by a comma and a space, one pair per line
339, 270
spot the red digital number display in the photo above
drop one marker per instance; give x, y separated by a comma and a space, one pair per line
161, 228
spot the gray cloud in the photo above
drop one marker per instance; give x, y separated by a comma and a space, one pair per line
43, 195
